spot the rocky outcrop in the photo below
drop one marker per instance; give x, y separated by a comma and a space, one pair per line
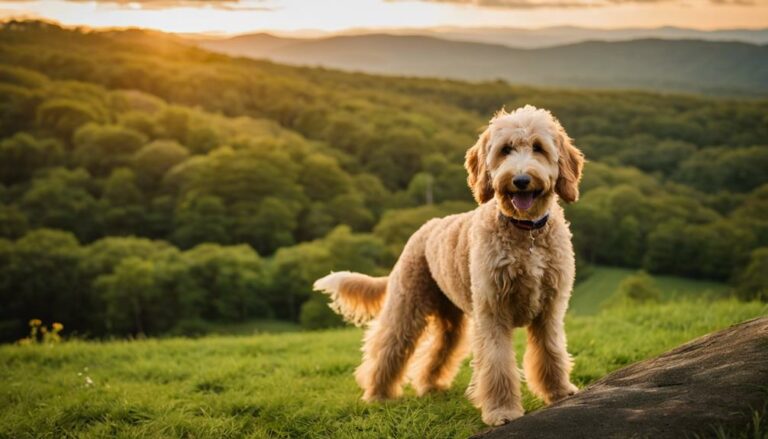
716, 381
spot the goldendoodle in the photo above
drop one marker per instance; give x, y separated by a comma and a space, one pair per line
509, 263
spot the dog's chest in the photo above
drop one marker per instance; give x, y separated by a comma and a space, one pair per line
519, 277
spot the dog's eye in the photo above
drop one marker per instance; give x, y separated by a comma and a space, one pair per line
507, 150
537, 147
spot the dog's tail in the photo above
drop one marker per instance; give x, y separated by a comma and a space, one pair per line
357, 297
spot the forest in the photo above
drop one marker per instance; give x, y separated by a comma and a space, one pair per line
148, 187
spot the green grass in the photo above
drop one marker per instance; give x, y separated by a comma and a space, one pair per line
252, 327
291, 384
603, 283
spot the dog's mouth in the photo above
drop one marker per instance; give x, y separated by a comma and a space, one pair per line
523, 200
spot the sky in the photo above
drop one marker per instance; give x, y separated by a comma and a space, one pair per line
243, 16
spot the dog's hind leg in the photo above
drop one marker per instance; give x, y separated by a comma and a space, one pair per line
439, 355
392, 337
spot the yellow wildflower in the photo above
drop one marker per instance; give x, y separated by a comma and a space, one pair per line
57, 326
35, 322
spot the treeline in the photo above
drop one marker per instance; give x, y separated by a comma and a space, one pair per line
128, 285
131, 134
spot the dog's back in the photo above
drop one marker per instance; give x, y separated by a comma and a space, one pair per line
442, 242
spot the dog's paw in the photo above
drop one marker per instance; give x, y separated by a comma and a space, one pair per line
427, 388
380, 395
567, 390
501, 416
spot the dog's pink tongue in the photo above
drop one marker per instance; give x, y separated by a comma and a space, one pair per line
522, 200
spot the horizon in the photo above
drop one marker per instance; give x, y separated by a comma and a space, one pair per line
297, 17
310, 33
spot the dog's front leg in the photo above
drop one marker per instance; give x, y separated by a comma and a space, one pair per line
495, 385
547, 362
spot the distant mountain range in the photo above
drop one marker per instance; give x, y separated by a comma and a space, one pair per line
560, 35
719, 67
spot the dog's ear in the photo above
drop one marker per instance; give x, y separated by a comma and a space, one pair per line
478, 179
570, 164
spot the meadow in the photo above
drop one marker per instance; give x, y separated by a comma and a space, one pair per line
295, 384
604, 283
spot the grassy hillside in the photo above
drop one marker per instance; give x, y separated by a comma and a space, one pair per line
288, 385
691, 65
603, 283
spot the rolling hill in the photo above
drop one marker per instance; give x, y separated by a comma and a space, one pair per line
560, 35
689, 65
595, 292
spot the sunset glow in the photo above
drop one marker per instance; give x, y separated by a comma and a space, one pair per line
233, 16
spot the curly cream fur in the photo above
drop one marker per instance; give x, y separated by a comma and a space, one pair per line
476, 273
354, 296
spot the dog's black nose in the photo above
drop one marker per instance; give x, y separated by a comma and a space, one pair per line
521, 181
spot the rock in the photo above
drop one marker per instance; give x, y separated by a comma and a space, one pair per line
715, 381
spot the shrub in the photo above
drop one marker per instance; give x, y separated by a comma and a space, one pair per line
315, 314
640, 288
752, 283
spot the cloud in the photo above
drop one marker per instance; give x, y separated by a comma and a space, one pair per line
536, 4
734, 2
234, 5
523, 4
515, 4
565, 4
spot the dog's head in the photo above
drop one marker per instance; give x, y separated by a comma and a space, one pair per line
522, 159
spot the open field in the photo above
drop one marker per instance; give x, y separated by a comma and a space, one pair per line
592, 293
289, 385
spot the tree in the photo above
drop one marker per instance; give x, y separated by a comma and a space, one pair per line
62, 199
173, 123
293, 270
376, 197
396, 226
232, 282
731, 169
315, 222
122, 206
17, 108
139, 121
22, 155
101, 148
102, 258
202, 138
13, 222
664, 156
40, 280
201, 219
350, 209
322, 178
266, 226
153, 160
752, 281
136, 301
711, 251
61, 117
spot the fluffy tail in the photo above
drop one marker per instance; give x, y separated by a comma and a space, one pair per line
357, 297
